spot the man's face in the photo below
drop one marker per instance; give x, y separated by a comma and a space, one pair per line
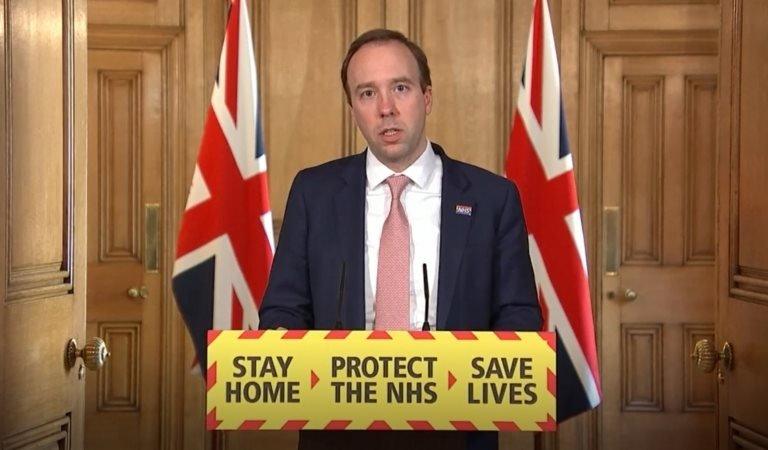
387, 102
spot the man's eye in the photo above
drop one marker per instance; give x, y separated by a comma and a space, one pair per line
366, 94
401, 88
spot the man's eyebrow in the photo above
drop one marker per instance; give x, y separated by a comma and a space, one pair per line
371, 84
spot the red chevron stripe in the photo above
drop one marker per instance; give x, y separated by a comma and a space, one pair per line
294, 425
210, 420
337, 334
549, 336
338, 425
551, 383
506, 426
507, 335
420, 425
251, 424
463, 425
464, 335
549, 425
421, 335
251, 334
379, 334
294, 334
212, 335
210, 377
379, 425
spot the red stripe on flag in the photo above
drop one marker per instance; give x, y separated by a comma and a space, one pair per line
294, 425
294, 334
379, 334
506, 426
251, 334
337, 425
379, 425
420, 425
507, 335
463, 425
420, 335
215, 217
212, 335
210, 420
464, 335
536, 61
210, 378
251, 424
337, 334
233, 50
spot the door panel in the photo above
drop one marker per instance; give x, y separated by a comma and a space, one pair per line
658, 174
743, 220
124, 173
42, 221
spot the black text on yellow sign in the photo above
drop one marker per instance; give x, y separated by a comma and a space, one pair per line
381, 380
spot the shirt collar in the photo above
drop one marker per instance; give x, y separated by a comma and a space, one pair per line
418, 172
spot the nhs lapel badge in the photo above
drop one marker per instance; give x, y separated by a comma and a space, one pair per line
464, 210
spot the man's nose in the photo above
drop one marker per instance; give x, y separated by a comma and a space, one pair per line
387, 105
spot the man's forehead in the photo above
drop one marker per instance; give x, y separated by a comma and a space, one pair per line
391, 55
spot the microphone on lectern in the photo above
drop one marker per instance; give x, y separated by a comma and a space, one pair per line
425, 327
340, 302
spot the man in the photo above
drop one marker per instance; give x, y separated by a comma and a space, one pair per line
380, 215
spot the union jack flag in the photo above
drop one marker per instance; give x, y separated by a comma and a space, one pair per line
539, 161
226, 244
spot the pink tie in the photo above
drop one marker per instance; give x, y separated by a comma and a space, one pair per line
393, 281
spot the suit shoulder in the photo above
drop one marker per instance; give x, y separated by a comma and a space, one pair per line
327, 171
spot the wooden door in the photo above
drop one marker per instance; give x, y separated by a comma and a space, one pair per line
125, 293
42, 222
743, 221
658, 194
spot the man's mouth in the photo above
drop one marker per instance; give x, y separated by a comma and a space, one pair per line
389, 132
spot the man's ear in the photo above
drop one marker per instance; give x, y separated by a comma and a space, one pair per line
428, 99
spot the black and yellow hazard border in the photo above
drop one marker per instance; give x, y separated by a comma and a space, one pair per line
381, 380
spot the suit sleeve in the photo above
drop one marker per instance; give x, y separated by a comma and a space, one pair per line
516, 304
287, 300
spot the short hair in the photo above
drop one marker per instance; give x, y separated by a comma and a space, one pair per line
384, 35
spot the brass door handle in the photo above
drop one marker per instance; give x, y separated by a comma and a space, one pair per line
706, 356
138, 292
94, 353
626, 294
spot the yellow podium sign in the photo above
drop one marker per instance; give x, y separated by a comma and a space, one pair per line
381, 380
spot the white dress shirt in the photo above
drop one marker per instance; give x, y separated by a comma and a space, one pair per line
421, 201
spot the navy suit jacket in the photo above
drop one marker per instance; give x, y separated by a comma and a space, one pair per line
485, 280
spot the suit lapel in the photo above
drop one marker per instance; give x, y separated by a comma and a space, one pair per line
349, 203
454, 229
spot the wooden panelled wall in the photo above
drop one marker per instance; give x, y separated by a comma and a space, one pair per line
476, 50
42, 228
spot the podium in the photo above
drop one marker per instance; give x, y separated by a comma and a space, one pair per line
437, 381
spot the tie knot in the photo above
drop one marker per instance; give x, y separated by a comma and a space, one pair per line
397, 184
